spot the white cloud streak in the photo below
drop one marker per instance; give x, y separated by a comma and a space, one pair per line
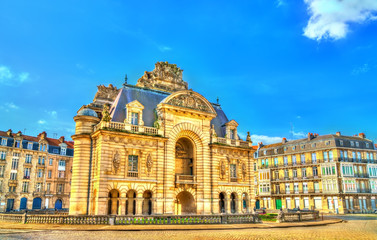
8, 78
265, 139
8, 106
41, 122
330, 19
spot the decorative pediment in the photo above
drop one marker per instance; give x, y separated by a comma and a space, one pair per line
189, 99
232, 123
135, 104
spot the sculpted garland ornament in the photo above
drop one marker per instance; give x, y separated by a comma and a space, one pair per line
189, 100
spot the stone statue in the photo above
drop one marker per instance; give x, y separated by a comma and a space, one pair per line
248, 138
116, 162
106, 114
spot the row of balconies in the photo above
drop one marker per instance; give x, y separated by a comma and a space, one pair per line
294, 178
314, 162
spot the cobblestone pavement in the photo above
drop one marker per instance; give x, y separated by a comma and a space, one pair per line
355, 227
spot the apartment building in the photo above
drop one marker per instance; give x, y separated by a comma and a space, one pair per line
331, 173
35, 172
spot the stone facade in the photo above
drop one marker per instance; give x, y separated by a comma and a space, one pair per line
330, 173
35, 172
160, 148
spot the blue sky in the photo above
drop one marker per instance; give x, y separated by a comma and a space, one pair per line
279, 68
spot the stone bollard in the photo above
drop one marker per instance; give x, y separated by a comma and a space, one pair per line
280, 217
24, 218
111, 220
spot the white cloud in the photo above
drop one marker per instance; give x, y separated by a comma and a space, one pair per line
12, 79
298, 117
362, 69
42, 122
9, 106
297, 135
331, 18
164, 48
53, 114
265, 139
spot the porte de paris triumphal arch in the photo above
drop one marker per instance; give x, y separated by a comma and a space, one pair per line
158, 147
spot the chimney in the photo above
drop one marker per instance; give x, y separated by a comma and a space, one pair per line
19, 133
61, 139
361, 135
284, 140
260, 145
338, 134
42, 135
310, 136
9, 132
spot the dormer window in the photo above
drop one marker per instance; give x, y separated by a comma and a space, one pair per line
135, 118
30, 145
4, 141
42, 147
63, 151
134, 113
231, 129
17, 144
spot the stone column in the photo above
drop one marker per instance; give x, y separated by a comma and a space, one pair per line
139, 205
227, 205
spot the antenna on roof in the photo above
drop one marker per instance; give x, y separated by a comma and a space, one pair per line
217, 100
125, 81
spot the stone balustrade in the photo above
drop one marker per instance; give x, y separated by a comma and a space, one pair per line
127, 220
129, 128
299, 216
232, 142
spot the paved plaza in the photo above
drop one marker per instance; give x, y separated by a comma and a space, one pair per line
354, 227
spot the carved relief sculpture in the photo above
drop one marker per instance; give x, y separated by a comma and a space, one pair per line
149, 164
189, 100
222, 170
116, 162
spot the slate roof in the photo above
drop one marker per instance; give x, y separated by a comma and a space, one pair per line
51, 141
150, 98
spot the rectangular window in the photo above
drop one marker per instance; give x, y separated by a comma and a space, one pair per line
305, 187
287, 188
17, 144
357, 144
295, 187
358, 155
286, 173
276, 162
28, 158
4, 141
61, 174
13, 176
41, 160
29, 145
331, 156
27, 173
302, 158
133, 163
345, 155
341, 142
56, 151
341, 155
48, 187
352, 143
315, 171
15, 163
25, 187
325, 156
2, 170
314, 158
40, 173
303, 172
60, 188
285, 160
233, 170
63, 151
294, 161
38, 187
50, 161
49, 173
3, 155
134, 118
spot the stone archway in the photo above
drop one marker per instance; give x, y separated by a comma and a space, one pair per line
233, 203
131, 202
222, 201
185, 203
147, 203
184, 157
113, 202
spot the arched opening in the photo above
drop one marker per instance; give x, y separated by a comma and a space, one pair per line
58, 204
245, 203
233, 205
185, 203
147, 203
131, 203
184, 157
23, 203
222, 203
113, 202
37, 203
